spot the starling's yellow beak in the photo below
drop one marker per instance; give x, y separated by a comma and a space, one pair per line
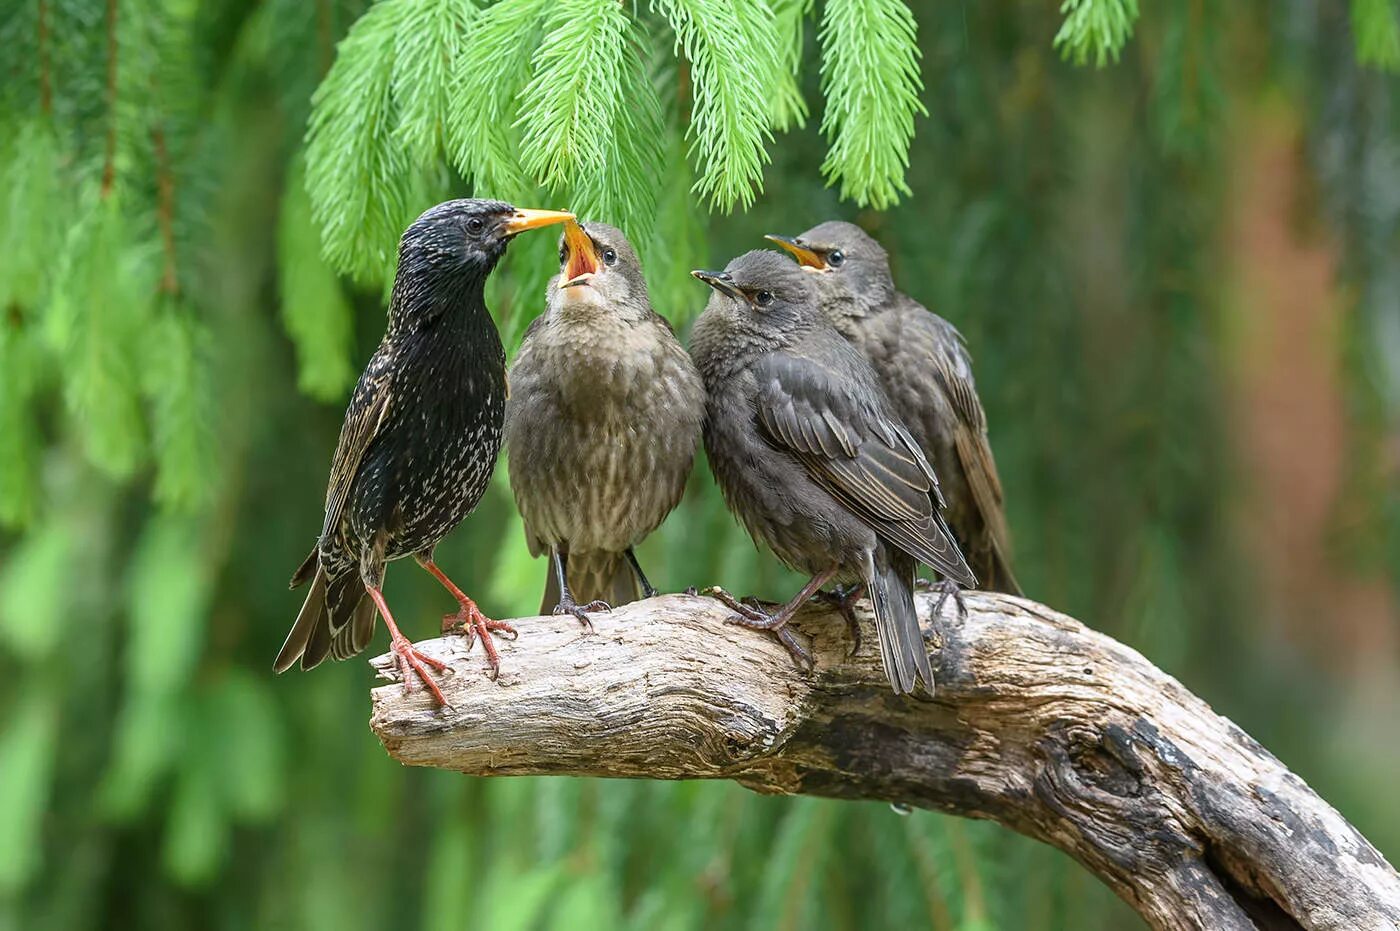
720, 281
580, 256
523, 220
805, 257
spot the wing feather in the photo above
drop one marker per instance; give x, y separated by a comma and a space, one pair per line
368, 407
857, 452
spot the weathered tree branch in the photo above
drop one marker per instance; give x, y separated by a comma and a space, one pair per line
1039, 723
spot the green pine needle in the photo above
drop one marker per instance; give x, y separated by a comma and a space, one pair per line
178, 374
734, 53
1376, 25
96, 317
569, 108
493, 67
314, 309
870, 71
789, 107
1096, 29
356, 171
428, 42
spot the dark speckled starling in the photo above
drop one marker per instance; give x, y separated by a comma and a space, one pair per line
926, 371
602, 424
812, 459
419, 442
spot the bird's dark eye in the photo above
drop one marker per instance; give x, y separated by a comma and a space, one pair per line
475, 225
835, 259
609, 257
763, 298
563, 255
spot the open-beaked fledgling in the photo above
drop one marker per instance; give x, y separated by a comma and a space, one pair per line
926, 371
419, 442
811, 457
601, 426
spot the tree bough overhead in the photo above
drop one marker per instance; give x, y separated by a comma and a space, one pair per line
1037, 722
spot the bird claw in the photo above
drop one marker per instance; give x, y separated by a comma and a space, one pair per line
567, 606
471, 623
413, 664
843, 599
800, 655
748, 613
946, 589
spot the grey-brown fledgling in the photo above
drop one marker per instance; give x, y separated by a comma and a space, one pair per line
601, 425
812, 459
926, 371
419, 441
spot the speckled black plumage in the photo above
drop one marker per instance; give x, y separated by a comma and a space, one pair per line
811, 457
601, 425
422, 431
926, 371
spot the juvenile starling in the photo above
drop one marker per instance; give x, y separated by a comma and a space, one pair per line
419, 442
601, 426
811, 458
926, 371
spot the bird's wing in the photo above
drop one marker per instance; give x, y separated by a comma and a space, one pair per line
861, 456
363, 418
953, 369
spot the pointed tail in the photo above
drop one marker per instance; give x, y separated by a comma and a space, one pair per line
891, 589
336, 619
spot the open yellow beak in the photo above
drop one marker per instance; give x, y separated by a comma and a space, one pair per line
523, 220
805, 257
581, 256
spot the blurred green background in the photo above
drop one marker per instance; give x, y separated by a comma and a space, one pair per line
1178, 273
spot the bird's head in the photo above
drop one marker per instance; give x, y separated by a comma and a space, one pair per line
843, 258
763, 297
598, 270
467, 237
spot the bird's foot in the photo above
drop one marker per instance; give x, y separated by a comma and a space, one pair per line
411, 663
947, 589
568, 606
843, 598
471, 623
749, 613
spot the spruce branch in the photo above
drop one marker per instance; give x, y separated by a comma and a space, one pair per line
734, 56
870, 71
789, 107
1096, 29
314, 309
45, 74
1376, 27
177, 384
493, 67
109, 162
356, 175
569, 109
427, 43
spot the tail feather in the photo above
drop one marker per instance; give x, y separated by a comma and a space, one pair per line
593, 576
994, 573
902, 649
336, 619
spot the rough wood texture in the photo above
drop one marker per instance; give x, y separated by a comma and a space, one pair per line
1039, 723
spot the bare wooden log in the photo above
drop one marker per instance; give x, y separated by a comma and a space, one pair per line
1038, 723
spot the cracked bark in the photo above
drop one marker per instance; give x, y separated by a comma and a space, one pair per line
1039, 723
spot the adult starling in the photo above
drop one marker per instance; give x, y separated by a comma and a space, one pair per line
926, 371
419, 442
812, 459
601, 426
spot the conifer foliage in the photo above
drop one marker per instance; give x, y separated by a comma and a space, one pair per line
200, 204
